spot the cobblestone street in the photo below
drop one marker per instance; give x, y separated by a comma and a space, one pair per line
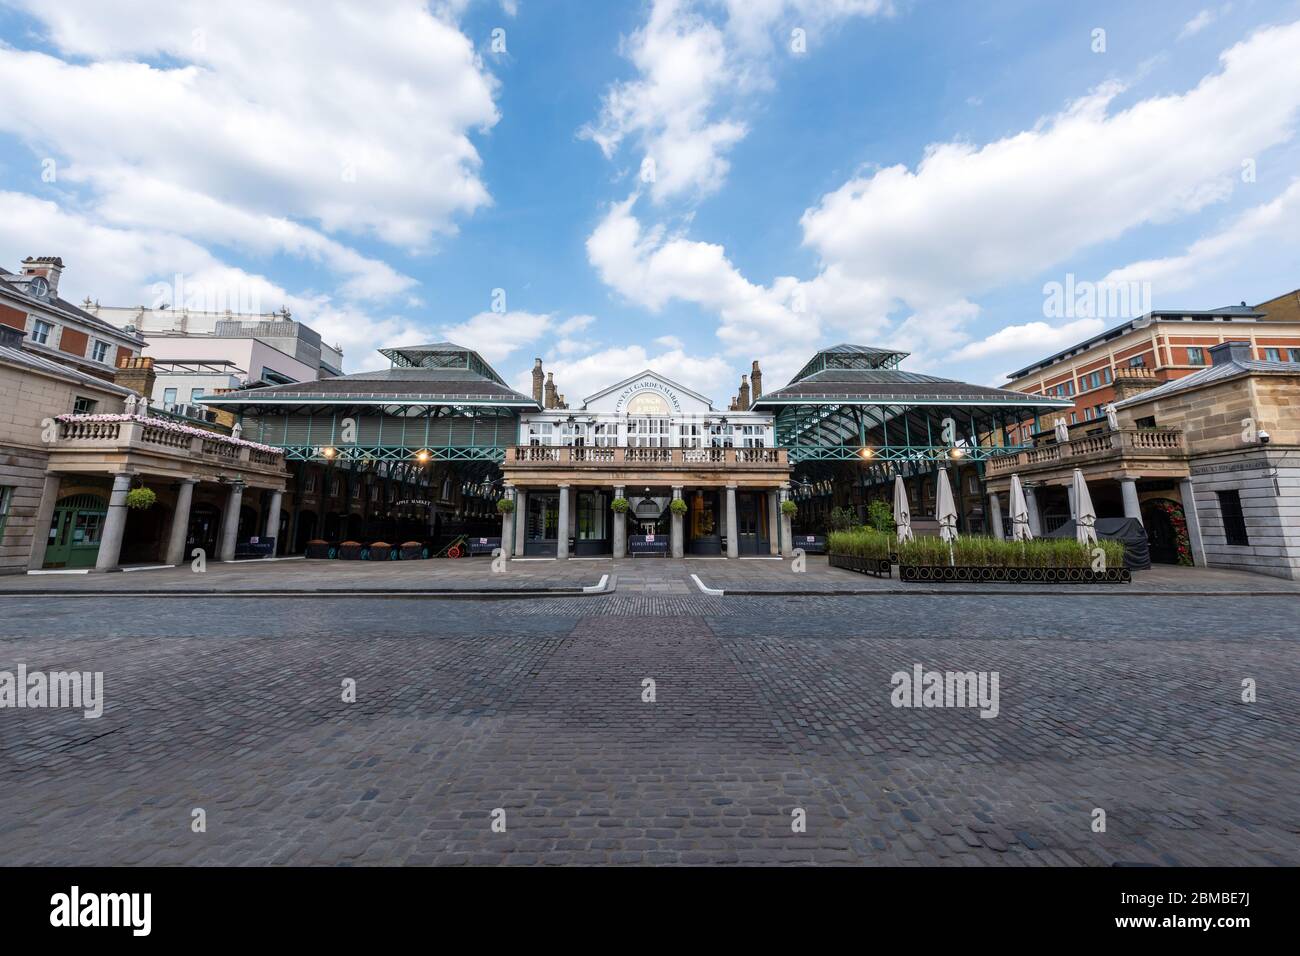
763, 706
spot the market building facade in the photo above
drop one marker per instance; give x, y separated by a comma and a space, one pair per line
601, 476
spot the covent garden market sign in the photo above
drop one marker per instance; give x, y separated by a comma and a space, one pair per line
646, 384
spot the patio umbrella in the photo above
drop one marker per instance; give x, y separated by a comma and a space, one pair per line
1062, 431
1085, 516
902, 513
945, 509
1019, 512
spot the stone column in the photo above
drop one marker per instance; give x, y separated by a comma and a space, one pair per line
1035, 521
230, 522
508, 526
110, 540
44, 515
773, 522
521, 516
733, 535
677, 546
273, 518
787, 526
995, 515
562, 531
180, 523
620, 525
1128, 490
1188, 493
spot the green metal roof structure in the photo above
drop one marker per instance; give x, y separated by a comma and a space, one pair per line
436, 402
853, 403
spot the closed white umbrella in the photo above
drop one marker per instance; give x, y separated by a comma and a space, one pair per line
945, 509
1019, 512
902, 511
1085, 516
1062, 431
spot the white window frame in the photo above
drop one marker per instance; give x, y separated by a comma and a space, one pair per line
42, 331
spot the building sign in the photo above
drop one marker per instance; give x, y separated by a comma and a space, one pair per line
657, 389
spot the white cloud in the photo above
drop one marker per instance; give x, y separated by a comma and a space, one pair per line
1031, 338
682, 106
1273, 221
970, 219
183, 128
495, 335
1197, 23
121, 266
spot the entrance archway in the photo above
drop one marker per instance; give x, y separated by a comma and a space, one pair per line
75, 530
1161, 516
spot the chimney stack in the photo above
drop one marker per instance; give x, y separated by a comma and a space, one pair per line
756, 379
549, 390
48, 267
537, 381
743, 398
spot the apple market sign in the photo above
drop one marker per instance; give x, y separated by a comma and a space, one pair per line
647, 385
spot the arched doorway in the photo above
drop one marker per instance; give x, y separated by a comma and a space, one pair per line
1166, 531
75, 530
306, 530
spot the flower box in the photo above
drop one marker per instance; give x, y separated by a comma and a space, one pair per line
877, 567
944, 574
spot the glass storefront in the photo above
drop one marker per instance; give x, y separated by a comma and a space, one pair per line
703, 530
592, 523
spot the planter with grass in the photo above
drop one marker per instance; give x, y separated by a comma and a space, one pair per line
863, 550
987, 560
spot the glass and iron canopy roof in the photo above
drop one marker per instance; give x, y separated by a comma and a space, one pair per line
439, 374
862, 375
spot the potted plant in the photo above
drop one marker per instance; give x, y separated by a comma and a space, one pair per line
413, 551
789, 508
619, 506
320, 548
141, 498
677, 506
505, 506
353, 551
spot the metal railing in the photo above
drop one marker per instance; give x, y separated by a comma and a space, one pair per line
1143, 442
603, 456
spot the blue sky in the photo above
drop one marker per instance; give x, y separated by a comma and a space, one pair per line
909, 173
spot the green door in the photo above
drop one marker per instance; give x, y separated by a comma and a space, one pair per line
75, 530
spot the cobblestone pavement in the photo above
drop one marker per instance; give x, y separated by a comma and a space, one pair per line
763, 706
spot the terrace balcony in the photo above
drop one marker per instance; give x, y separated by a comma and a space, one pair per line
1122, 453
160, 447
598, 465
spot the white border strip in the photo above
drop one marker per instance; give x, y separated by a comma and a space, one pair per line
604, 578
712, 592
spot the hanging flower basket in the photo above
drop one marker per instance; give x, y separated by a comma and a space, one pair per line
506, 506
677, 506
789, 508
141, 498
619, 505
